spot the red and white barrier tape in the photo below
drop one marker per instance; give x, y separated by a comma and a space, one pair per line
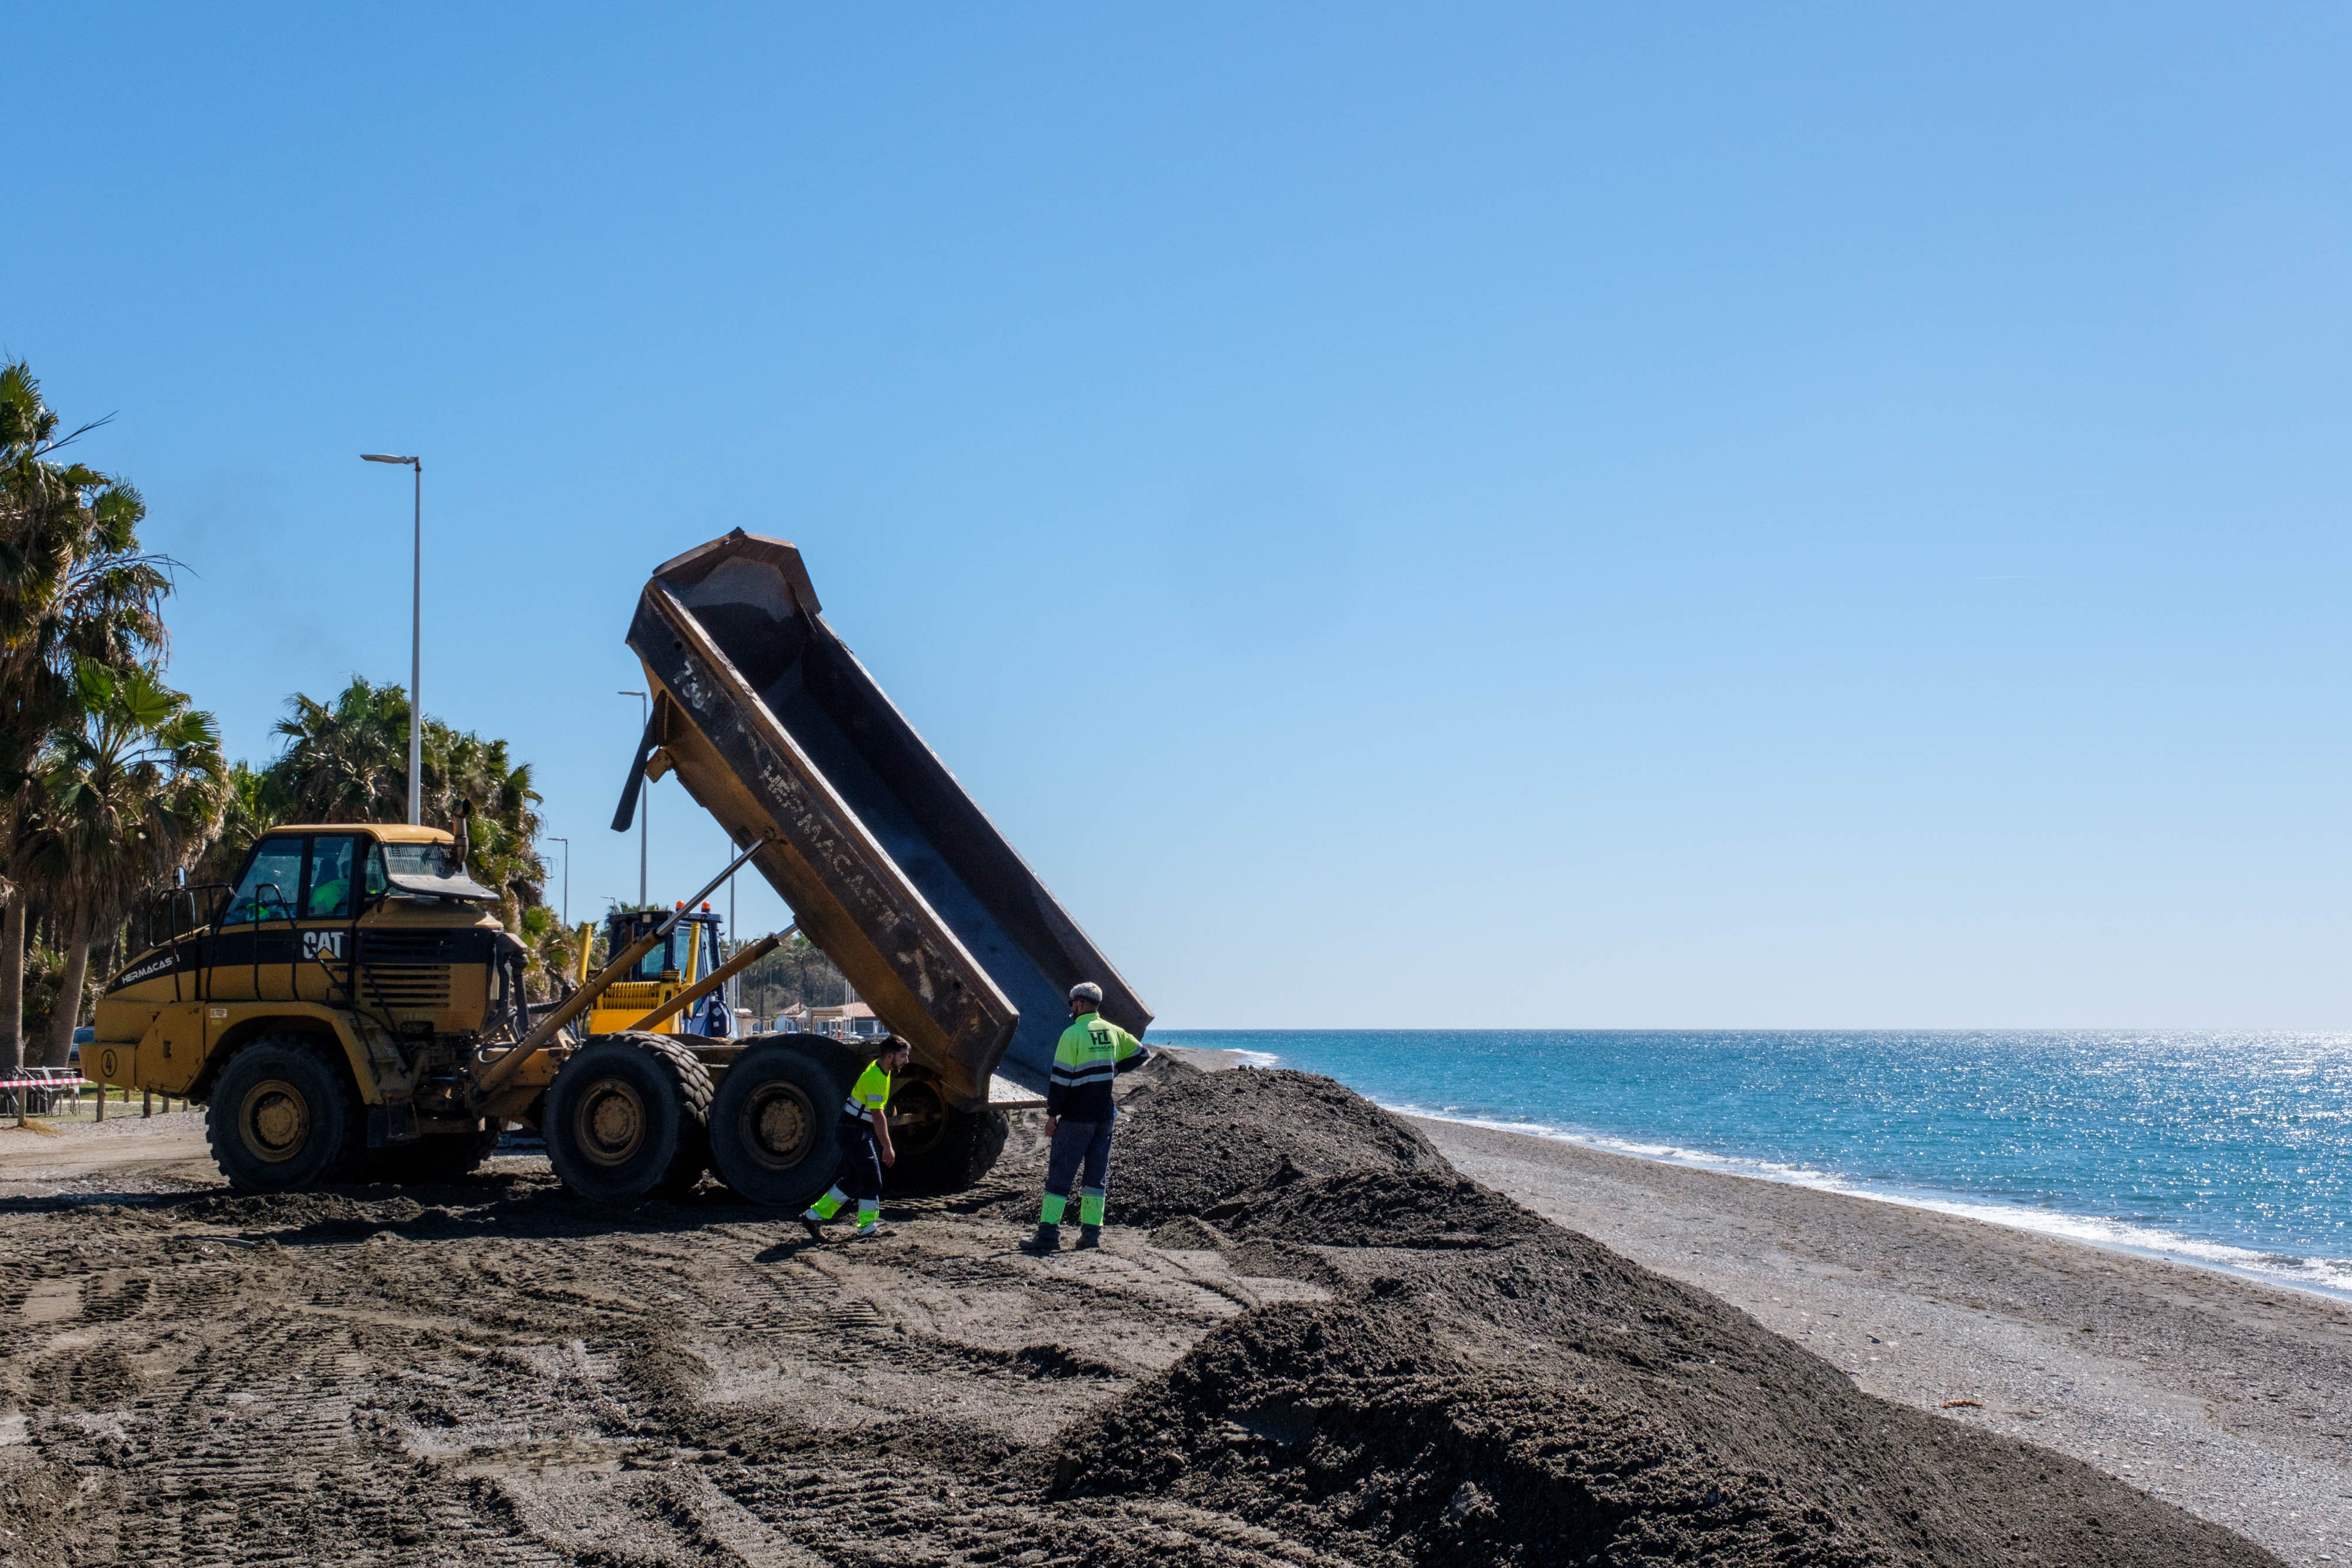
48, 1083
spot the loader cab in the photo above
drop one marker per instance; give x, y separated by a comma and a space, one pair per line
689, 954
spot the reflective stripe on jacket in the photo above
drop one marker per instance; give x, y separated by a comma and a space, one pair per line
872, 1092
1093, 1051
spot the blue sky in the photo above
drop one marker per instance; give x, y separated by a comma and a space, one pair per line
1820, 516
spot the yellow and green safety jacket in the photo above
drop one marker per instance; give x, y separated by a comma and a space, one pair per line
871, 1093
1093, 1051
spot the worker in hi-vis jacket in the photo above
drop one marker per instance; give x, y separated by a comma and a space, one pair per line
864, 1145
1078, 1115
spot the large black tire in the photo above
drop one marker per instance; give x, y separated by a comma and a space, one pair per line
775, 1127
284, 1115
445, 1157
628, 1117
940, 1148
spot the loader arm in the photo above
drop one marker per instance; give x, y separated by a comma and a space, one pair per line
490, 1076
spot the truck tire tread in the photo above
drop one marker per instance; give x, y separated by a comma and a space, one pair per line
338, 1112
688, 1086
815, 1076
695, 1090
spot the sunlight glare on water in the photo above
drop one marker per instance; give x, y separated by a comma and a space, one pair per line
2230, 1149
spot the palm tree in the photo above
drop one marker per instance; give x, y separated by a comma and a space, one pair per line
125, 797
347, 761
464, 772
74, 586
552, 949
255, 802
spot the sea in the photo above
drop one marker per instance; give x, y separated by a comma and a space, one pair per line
2230, 1151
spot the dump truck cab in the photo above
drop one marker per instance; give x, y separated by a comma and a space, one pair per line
361, 963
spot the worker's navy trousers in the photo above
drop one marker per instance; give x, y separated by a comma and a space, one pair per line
1080, 1147
861, 1160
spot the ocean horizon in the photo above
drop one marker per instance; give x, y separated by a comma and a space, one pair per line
2225, 1149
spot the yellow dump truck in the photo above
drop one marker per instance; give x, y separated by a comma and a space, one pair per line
349, 1009
320, 1004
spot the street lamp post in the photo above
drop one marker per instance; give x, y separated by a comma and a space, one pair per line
416, 645
645, 795
567, 877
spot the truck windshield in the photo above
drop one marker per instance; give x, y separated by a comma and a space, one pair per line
422, 859
270, 883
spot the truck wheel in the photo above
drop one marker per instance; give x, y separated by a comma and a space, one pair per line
775, 1127
435, 1159
281, 1115
940, 1149
628, 1116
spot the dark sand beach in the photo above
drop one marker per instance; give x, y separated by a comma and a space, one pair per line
2231, 1398
1318, 1335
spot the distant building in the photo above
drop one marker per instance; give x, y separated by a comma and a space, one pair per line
851, 1020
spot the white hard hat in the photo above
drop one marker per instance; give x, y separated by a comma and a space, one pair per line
1086, 991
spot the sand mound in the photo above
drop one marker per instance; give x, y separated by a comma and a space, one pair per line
1492, 1389
1189, 1142
1381, 1208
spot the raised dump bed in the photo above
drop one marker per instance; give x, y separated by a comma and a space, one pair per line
780, 733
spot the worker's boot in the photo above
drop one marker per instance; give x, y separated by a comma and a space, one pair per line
812, 1225
1090, 1238
1048, 1241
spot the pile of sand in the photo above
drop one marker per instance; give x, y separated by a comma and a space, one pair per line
1491, 1388
1189, 1140
493, 1371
